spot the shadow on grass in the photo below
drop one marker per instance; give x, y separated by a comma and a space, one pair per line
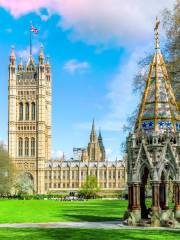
86, 234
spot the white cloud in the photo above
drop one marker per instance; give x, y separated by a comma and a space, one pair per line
74, 65
98, 22
44, 16
119, 95
58, 154
24, 53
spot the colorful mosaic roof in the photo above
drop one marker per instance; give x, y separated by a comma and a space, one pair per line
158, 110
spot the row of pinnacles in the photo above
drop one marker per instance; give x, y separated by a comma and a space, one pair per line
153, 151
29, 116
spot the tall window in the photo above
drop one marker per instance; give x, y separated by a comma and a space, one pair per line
20, 111
20, 147
33, 109
27, 111
26, 147
32, 146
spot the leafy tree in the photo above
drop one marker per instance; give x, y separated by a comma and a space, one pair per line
171, 23
23, 184
7, 172
89, 188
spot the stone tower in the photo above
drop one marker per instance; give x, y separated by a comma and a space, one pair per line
153, 149
29, 117
95, 149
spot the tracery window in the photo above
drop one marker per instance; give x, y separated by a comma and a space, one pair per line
20, 111
33, 111
32, 146
27, 111
26, 147
20, 147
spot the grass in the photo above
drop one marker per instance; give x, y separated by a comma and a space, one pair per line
19, 211
86, 234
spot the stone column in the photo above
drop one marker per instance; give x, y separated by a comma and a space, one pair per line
136, 208
79, 176
155, 197
107, 178
70, 177
61, 177
136, 196
98, 179
144, 212
177, 199
164, 195
129, 197
116, 177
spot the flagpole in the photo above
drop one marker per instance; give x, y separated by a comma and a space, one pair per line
30, 48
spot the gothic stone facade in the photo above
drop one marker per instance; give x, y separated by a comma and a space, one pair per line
70, 175
29, 135
29, 117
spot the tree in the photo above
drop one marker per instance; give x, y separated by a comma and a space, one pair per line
7, 172
24, 184
89, 188
171, 23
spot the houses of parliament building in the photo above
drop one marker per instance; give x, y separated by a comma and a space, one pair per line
29, 135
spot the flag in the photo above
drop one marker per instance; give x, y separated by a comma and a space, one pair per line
33, 29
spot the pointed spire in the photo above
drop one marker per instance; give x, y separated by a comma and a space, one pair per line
47, 60
20, 65
156, 30
93, 137
100, 136
41, 55
158, 111
12, 57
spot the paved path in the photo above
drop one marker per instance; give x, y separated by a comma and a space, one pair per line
87, 225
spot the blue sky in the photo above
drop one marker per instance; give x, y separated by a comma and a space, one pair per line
93, 49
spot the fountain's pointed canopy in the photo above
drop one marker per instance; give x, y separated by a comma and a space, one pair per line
158, 111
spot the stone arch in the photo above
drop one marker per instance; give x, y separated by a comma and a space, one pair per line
29, 175
142, 158
168, 168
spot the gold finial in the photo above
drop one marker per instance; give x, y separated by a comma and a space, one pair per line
156, 30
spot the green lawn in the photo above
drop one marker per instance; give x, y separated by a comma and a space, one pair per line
18, 211
86, 234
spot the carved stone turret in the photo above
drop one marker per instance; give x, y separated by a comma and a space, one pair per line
20, 66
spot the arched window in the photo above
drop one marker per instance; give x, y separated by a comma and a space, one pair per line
33, 111
32, 146
20, 111
20, 147
27, 111
26, 147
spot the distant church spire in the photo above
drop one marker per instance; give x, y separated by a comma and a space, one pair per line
100, 136
93, 137
158, 111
